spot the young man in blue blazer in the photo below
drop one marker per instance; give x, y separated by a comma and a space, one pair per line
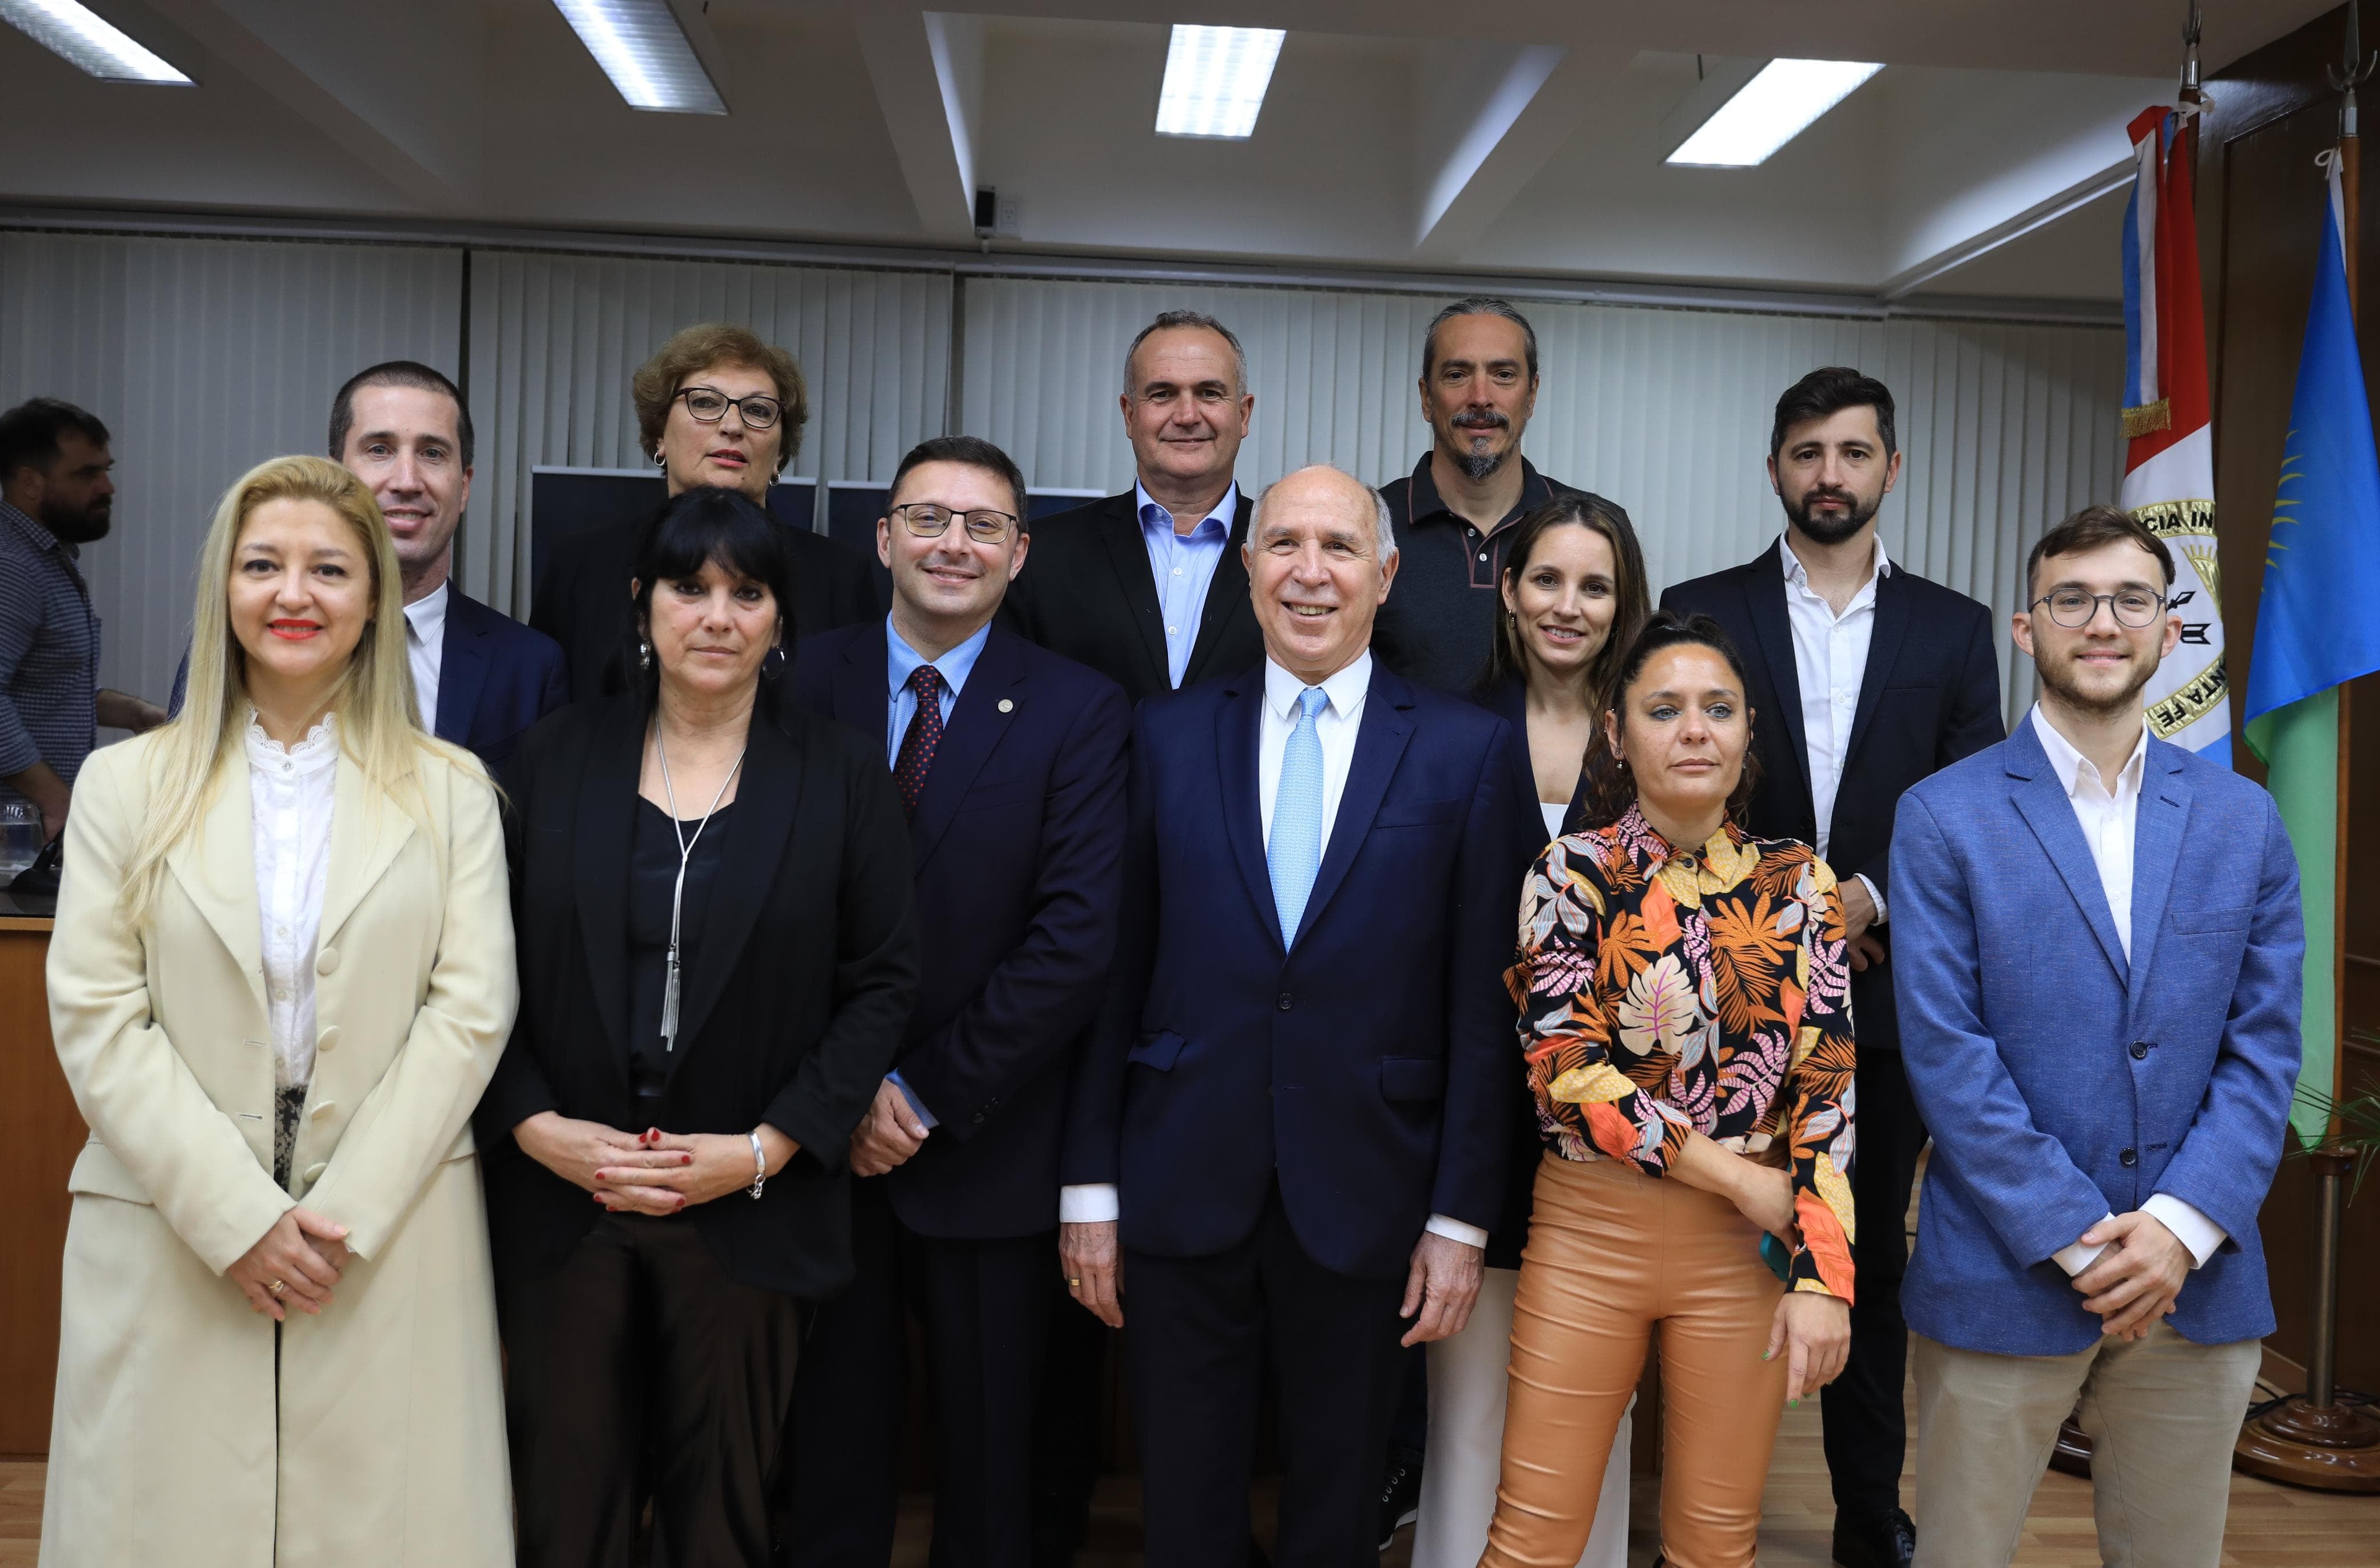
1010, 761
1288, 1132
2099, 961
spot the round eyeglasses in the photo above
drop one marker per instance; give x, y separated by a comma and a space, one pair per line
2073, 609
709, 404
927, 520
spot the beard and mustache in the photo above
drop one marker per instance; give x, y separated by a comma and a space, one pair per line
1478, 465
77, 524
1831, 527
2056, 677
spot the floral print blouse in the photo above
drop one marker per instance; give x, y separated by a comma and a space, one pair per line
1663, 992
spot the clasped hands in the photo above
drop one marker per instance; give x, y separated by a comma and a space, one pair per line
302, 1255
2136, 1281
651, 1172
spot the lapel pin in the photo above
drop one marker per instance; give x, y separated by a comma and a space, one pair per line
1006, 705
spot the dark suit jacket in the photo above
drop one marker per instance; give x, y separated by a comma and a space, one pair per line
1018, 848
1368, 1069
793, 1005
1087, 592
496, 677
582, 601
1930, 694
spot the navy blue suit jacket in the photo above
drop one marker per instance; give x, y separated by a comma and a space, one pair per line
1018, 849
1368, 1067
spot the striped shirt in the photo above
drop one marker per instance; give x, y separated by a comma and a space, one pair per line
49, 653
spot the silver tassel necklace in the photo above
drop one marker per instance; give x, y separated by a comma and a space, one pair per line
685, 852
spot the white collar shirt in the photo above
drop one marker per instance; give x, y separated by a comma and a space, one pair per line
425, 649
290, 794
1335, 727
1829, 661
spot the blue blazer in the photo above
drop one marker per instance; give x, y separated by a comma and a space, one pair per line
496, 677
1017, 846
2063, 1082
1368, 1068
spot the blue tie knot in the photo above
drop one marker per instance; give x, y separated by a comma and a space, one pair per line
1312, 700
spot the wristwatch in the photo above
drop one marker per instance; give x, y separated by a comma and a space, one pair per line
759, 1165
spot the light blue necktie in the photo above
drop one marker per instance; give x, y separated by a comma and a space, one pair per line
1294, 854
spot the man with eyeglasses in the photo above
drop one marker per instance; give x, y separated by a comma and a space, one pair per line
1865, 678
2106, 1048
1010, 761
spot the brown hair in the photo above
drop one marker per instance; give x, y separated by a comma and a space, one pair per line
2088, 529
1612, 789
655, 385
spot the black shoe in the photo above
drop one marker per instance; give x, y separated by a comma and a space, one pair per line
1875, 1540
1400, 1498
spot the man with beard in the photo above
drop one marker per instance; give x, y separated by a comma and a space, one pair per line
1865, 678
2105, 1051
56, 496
1455, 512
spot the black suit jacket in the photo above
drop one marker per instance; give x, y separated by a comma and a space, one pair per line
793, 1005
1018, 849
1087, 592
582, 600
1930, 694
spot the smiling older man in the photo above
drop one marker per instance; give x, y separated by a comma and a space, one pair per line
1289, 1124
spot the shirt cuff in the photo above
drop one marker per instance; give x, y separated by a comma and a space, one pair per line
1875, 894
2190, 1228
916, 1104
1094, 1203
1455, 1230
2078, 1255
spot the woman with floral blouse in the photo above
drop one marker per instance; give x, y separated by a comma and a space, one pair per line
1685, 1018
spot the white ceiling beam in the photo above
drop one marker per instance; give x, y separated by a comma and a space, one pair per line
927, 70
1487, 120
398, 88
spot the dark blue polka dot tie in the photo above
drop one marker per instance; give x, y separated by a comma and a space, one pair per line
917, 742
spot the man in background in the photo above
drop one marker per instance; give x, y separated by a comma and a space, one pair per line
56, 496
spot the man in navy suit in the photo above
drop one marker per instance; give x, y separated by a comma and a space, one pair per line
1011, 762
479, 677
2099, 961
1289, 1128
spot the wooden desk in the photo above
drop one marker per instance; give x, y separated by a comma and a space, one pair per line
45, 1134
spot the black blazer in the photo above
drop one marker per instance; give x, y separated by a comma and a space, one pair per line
1087, 592
1019, 846
791, 1012
1930, 694
582, 600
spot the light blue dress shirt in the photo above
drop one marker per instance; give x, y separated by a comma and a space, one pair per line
901, 661
1184, 566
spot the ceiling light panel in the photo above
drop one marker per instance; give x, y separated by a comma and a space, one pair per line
1215, 80
89, 41
646, 53
1770, 110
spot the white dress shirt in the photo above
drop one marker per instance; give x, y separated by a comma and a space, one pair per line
1829, 660
1335, 727
425, 649
290, 794
2109, 820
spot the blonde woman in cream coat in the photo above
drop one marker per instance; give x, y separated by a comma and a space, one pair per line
282, 974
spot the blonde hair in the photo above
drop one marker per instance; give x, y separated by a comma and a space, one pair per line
373, 699
655, 385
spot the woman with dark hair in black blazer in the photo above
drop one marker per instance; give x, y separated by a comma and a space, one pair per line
717, 956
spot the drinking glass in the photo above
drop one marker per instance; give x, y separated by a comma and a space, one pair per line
20, 837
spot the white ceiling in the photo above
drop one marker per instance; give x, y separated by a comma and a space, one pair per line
1441, 137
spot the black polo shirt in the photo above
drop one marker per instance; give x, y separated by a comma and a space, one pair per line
1441, 617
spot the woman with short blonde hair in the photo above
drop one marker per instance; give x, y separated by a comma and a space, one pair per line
282, 974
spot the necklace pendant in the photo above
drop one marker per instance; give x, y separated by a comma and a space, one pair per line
669, 1005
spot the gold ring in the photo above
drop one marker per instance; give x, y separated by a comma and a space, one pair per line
1076, 1284
277, 1287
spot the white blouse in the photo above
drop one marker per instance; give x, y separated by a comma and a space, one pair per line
290, 794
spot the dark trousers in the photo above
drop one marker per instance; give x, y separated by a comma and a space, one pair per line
1195, 1333
638, 1370
984, 1306
1867, 1429
1069, 1420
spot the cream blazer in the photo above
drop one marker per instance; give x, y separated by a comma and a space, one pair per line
384, 1442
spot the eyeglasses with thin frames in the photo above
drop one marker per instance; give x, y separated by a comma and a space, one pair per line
927, 520
2135, 608
708, 404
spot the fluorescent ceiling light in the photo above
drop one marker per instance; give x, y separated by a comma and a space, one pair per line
89, 41
1770, 110
643, 50
1215, 80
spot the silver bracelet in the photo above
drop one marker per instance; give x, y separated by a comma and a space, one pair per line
760, 1164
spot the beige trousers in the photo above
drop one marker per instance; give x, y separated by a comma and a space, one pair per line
2162, 1413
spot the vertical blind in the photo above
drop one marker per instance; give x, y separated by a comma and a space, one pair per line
2005, 429
203, 358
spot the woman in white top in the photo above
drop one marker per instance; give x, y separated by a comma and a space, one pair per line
1574, 595
282, 974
